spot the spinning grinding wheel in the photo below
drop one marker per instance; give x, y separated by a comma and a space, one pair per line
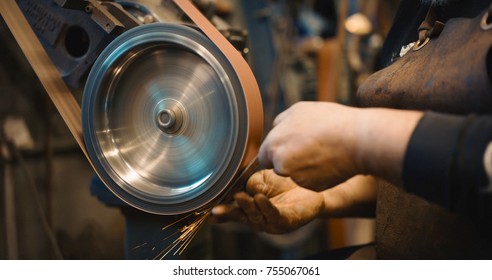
165, 118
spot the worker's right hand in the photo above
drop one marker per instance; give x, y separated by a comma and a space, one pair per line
314, 143
321, 145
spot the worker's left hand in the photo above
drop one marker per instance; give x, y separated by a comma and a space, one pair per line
272, 204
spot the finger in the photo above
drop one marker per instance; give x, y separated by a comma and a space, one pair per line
274, 150
279, 161
247, 204
260, 188
264, 157
288, 112
255, 179
268, 183
257, 183
280, 117
271, 155
227, 213
268, 210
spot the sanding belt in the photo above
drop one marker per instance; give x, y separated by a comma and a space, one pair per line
68, 107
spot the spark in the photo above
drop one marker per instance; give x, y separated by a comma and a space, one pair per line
188, 232
136, 247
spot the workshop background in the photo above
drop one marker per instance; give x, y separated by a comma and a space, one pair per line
53, 207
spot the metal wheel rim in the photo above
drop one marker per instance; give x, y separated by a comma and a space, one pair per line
116, 59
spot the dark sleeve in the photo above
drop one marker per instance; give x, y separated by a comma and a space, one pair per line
444, 162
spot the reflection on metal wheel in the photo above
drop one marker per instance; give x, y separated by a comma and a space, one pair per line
165, 118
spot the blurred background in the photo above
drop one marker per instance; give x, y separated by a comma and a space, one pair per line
52, 206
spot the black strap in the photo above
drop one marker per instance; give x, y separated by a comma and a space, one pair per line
489, 16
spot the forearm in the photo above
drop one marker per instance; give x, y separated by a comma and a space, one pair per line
439, 157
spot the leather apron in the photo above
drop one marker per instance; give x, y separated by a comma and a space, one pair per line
451, 73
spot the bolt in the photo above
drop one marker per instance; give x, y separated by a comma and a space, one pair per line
166, 119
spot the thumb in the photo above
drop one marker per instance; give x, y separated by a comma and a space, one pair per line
227, 213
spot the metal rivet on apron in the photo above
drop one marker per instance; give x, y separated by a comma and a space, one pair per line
486, 22
420, 45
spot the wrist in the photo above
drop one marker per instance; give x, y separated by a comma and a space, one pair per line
354, 198
362, 134
382, 140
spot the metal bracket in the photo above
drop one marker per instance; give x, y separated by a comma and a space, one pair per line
107, 15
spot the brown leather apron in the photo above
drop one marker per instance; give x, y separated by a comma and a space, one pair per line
451, 73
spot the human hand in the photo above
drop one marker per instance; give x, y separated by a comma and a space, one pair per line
320, 144
272, 204
313, 143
